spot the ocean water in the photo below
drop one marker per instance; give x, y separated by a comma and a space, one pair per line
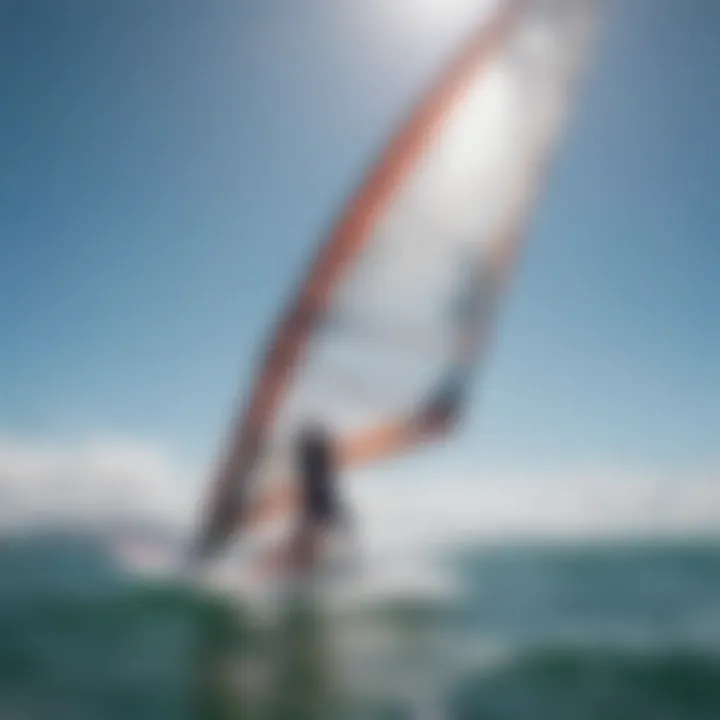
594, 630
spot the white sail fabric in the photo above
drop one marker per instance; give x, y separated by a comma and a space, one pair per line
382, 339
388, 337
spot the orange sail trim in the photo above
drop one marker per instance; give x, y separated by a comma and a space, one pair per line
347, 239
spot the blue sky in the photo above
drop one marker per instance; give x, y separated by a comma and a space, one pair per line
167, 167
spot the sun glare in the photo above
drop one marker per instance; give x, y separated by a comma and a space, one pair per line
438, 16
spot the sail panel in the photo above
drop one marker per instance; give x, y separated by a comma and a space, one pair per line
392, 316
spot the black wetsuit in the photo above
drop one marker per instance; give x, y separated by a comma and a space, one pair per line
318, 479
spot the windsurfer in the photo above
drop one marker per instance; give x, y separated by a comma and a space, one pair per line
320, 510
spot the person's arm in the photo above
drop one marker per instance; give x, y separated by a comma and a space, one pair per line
369, 446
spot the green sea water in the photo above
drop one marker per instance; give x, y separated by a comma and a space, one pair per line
612, 631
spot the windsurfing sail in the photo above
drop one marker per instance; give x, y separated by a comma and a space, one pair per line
383, 336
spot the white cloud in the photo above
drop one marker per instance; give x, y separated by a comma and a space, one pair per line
113, 483
94, 483
581, 504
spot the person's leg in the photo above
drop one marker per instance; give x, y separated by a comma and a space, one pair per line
305, 547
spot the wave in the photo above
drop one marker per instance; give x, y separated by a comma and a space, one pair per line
558, 632
575, 683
